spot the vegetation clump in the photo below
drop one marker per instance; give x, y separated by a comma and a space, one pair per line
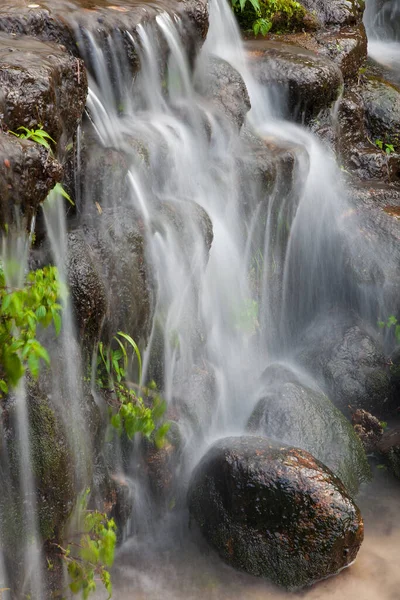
22, 310
89, 558
275, 16
136, 409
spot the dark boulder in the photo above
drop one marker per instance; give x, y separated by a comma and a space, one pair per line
389, 447
220, 83
346, 47
307, 82
274, 511
382, 110
41, 85
108, 276
348, 362
291, 412
27, 174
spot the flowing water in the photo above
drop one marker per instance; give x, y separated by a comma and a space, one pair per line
222, 315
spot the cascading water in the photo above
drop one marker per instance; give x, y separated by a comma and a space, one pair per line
382, 21
239, 270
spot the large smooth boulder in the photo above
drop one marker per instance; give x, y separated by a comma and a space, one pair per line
41, 85
346, 47
274, 511
27, 174
291, 412
348, 362
307, 82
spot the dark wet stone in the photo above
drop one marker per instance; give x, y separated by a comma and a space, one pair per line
382, 110
308, 82
290, 412
52, 467
27, 174
368, 428
346, 47
224, 87
56, 20
108, 276
336, 12
374, 247
274, 511
41, 85
88, 290
348, 362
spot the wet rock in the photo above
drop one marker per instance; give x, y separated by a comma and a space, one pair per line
395, 376
41, 86
219, 82
161, 466
27, 174
291, 412
52, 467
368, 428
382, 110
109, 282
348, 362
389, 446
336, 12
264, 508
346, 47
307, 81
57, 21
374, 248
88, 290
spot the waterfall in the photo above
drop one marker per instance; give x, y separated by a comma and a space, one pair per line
239, 269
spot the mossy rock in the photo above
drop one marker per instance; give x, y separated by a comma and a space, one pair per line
52, 469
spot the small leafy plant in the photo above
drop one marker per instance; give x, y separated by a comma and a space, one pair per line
22, 310
388, 148
89, 558
36, 135
43, 138
391, 322
136, 409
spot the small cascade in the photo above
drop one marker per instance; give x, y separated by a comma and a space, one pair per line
382, 21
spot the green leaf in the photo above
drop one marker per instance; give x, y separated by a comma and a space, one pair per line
136, 349
58, 189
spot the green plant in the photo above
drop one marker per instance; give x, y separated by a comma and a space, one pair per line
89, 558
36, 135
263, 16
391, 322
42, 137
135, 408
22, 310
389, 148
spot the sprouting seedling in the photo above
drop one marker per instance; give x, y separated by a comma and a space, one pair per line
36, 135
